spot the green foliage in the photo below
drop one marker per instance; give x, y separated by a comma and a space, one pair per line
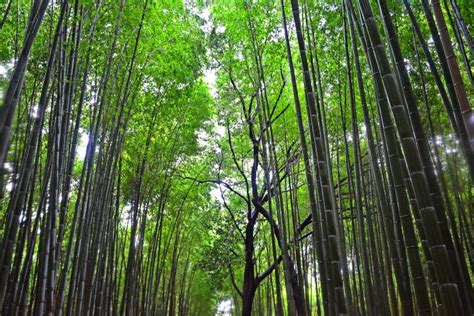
164, 156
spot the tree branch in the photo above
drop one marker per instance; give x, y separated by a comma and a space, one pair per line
220, 182
232, 279
270, 269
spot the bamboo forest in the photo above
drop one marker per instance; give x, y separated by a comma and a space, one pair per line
236, 157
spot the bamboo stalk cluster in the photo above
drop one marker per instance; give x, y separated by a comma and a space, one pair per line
344, 176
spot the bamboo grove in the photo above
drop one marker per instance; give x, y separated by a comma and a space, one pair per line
226, 157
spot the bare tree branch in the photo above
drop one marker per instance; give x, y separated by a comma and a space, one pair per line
270, 269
